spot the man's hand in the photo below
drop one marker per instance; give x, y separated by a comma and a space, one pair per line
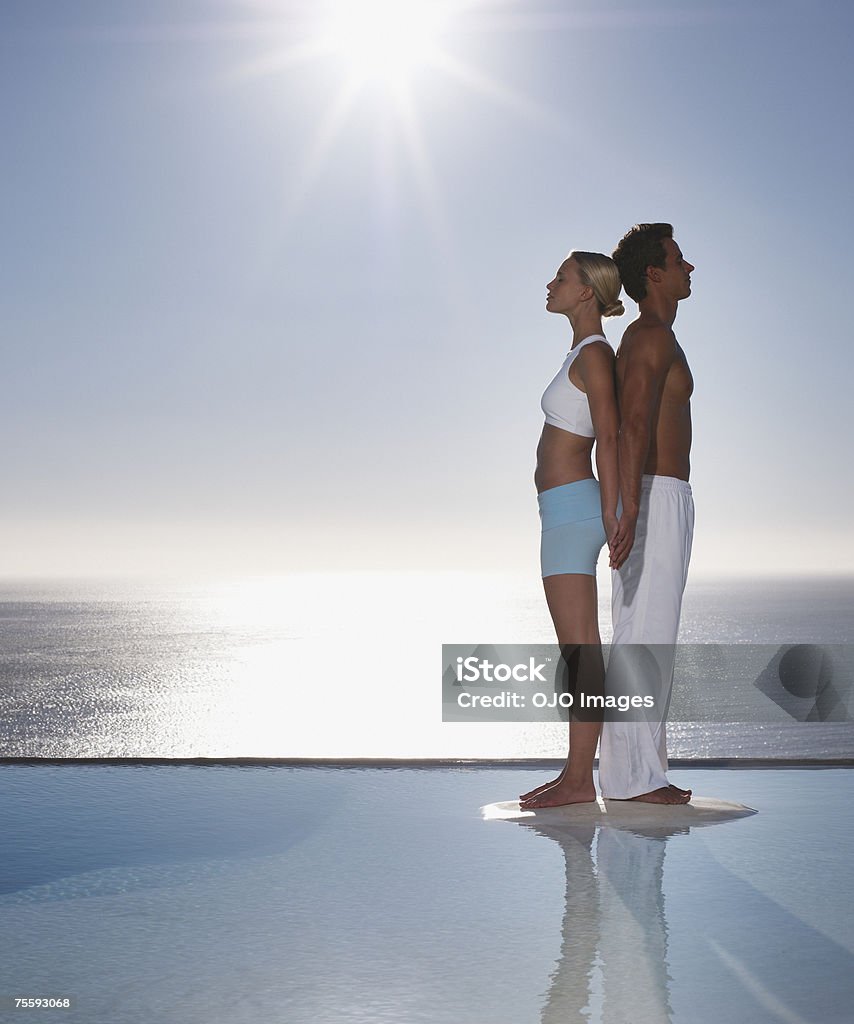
620, 544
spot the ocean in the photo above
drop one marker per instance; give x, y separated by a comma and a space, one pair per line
340, 666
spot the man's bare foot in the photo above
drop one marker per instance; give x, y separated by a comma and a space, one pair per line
543, 788
678, 790
562, 792
665, 795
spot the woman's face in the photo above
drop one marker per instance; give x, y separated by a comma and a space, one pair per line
565, 289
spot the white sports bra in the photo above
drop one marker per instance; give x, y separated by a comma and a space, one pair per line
564, 404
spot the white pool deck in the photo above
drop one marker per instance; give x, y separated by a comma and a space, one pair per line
324, 895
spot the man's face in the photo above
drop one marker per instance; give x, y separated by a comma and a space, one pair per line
676, 273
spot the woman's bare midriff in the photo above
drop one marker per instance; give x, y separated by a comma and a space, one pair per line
562, 458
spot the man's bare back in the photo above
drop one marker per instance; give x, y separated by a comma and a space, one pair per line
669, 452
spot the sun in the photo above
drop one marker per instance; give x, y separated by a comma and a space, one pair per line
386, 40
384, 55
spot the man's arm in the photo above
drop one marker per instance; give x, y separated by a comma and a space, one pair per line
648, 359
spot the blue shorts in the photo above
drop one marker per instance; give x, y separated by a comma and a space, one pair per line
573, 534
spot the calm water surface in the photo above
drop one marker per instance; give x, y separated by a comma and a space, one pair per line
311, 896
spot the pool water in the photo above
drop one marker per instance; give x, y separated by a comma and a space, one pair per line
330, 895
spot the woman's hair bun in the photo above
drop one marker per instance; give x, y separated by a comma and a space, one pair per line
614, 309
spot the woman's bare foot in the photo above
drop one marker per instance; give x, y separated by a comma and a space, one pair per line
543, 788
560, 793
678, 790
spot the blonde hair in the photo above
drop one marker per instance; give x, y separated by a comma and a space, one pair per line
600, 273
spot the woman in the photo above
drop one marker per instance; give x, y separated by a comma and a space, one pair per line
579, 514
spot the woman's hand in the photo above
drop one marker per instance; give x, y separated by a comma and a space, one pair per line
611, 524
621, 541
612, 527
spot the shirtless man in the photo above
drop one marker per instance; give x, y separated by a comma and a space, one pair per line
655, 528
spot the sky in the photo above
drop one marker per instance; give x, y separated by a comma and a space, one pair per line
274, 289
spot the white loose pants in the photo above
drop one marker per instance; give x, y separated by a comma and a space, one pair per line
646, 603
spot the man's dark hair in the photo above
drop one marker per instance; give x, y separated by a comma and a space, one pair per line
640, 248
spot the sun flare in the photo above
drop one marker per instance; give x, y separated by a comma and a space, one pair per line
385, 56
385, 39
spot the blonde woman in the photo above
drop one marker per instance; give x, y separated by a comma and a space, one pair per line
578, 513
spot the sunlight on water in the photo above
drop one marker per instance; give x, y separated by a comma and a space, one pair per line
329, 665
359, 672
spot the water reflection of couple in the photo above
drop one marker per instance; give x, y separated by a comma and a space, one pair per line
636, 407
614, 948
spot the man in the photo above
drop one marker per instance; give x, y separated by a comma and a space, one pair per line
652, 545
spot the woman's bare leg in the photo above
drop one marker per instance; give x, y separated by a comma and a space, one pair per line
574, 607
